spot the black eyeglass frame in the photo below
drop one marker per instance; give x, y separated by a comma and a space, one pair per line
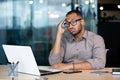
73, 22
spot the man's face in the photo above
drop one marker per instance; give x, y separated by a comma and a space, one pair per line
74, 23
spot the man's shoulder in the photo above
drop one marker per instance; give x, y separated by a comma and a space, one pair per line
90, 33
93, 36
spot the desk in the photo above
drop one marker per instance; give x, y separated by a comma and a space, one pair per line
85, 75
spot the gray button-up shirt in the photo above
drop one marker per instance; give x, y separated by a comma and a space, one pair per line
90, 48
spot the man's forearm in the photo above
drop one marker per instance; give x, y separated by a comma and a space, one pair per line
74, 66
82, 66
56, 47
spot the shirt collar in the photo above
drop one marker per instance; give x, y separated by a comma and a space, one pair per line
71, 38
85, 34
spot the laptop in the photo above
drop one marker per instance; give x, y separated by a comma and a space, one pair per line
27, 63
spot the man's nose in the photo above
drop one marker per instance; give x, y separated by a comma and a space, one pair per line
70, 26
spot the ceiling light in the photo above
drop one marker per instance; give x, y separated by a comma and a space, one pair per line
76, 5
118, 6
30, 2
87, 2
93, 6
53, 16
91, 1
101, 8
41, 1
63, 4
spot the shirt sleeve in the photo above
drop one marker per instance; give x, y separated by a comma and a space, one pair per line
58, 57
98, 60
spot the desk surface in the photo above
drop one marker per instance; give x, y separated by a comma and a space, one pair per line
85, 75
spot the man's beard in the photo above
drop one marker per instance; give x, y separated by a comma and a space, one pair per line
78, 33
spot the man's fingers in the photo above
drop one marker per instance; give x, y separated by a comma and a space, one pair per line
62, 21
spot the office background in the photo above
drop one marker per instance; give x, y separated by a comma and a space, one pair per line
34, 23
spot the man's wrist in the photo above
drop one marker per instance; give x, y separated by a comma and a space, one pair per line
73, 66
59, 35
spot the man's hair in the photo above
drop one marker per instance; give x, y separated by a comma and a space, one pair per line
74, 11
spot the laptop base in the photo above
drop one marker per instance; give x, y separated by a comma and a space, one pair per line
43, 72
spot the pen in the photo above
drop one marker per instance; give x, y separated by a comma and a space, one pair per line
12, 78
13, 66
73, 66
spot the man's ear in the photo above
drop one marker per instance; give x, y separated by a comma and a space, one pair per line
82, 22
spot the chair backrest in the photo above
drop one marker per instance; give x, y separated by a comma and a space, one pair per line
107, 50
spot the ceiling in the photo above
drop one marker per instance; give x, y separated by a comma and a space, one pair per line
60, 1
99, 1
110, 5
108, 1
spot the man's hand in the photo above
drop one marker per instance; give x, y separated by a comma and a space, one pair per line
60, 29
62, 66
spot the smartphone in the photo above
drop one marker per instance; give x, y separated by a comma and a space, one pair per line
71, 71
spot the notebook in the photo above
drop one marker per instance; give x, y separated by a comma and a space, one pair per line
27, 63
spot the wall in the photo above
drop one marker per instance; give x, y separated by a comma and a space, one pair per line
110, 32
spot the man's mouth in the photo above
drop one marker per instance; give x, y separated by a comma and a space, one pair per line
72, 30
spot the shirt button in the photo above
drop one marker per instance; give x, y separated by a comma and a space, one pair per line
77, 49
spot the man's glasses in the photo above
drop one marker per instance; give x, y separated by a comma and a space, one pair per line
73, 22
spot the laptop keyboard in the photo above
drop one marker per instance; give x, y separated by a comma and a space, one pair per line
44, 71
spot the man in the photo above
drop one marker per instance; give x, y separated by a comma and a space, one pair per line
82, 50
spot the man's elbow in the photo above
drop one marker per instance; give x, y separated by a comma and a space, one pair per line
97, 64
51, 61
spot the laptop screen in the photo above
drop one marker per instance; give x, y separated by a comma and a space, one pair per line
24, 55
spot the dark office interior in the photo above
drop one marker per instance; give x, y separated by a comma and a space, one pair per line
108, 28
33, 23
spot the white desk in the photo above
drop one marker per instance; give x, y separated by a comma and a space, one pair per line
85, 75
